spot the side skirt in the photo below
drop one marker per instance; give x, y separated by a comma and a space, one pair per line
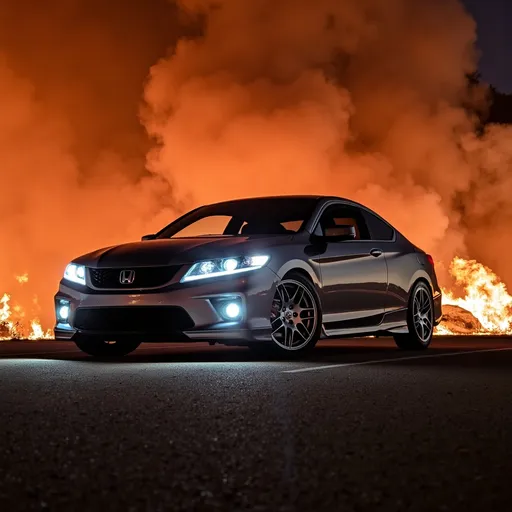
393, 322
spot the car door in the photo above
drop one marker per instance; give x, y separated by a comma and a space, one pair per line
353, 272
401, 261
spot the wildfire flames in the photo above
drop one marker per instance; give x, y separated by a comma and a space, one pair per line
485, 297
14, 323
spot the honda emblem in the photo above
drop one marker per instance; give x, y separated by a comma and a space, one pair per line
127, 276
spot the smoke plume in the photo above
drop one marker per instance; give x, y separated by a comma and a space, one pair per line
359, 98
71, 147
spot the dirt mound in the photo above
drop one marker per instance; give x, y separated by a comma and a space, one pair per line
460, 321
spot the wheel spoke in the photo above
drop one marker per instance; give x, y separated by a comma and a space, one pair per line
289, 336
308, 332
278, 329
300, 334
298, 290
281, 296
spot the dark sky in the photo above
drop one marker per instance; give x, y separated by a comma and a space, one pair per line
494, 20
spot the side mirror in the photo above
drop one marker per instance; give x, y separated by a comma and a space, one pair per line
148, 237
337, 234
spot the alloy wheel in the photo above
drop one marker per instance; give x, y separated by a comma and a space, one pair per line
423, 314
294, 315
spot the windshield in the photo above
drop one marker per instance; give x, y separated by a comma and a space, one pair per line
269, 216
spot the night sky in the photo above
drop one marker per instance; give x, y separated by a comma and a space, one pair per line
494, 20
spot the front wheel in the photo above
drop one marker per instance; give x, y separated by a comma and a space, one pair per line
295, 315
100, 348
420, 320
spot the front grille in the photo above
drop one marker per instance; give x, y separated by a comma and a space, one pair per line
136, 319
144, 277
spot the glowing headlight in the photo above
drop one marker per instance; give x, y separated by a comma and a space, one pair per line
224, 267
75, 273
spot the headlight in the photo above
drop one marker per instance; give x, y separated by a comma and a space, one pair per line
75, 273
224, 267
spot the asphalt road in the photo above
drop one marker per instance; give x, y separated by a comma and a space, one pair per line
356, 426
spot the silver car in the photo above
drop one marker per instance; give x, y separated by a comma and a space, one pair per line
276, 273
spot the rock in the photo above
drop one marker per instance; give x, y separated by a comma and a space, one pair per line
460, 321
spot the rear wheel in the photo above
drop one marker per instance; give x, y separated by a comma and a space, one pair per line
295, 315
99, 348
420, 320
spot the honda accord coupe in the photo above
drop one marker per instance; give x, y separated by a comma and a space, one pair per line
277, 273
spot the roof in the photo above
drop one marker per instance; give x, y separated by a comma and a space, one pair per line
296, 197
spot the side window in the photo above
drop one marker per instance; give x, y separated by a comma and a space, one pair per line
344, 216
379, 230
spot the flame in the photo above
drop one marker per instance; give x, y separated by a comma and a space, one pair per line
442, 330
13, 323
485, 297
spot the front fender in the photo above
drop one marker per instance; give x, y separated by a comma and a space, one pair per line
301, 265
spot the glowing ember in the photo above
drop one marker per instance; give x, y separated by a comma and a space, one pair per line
22, 279
485, 297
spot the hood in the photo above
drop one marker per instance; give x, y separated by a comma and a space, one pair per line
178, 251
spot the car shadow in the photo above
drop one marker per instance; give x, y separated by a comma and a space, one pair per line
194, 354
330, 352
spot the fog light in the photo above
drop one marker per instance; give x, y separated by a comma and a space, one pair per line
63, 312
232, 310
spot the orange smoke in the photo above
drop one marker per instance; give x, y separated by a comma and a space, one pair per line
358, 98
363, 99
72, 150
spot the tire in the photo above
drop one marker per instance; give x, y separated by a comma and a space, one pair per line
99, 348
296, 316
420, 319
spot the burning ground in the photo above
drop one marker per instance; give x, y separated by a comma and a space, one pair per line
117, 116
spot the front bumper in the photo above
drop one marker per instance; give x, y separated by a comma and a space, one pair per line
254, 290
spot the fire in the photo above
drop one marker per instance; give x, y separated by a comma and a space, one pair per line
13, 324
485, 297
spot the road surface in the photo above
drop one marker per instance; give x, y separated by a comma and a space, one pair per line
356, 426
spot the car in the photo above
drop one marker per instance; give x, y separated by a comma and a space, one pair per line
271, 273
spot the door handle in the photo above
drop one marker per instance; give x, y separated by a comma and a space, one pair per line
376, 252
